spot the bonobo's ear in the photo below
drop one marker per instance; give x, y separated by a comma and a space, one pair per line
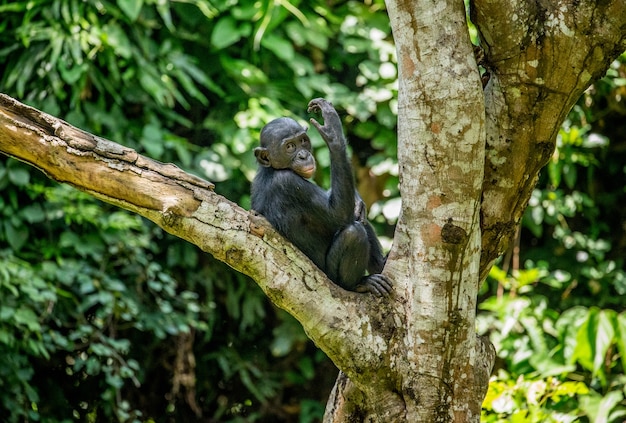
262, 156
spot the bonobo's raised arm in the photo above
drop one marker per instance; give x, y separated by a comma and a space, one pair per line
341, 198
331, 228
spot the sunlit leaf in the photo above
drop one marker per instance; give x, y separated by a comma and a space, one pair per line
621, 337
228, 31
131, 8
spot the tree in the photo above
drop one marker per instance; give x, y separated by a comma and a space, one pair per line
468, 158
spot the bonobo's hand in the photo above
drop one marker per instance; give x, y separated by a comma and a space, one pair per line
376, 284
360, 211
331, 131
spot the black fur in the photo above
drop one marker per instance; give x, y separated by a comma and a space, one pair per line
331, 227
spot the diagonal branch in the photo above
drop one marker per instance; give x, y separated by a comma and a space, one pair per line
185, 206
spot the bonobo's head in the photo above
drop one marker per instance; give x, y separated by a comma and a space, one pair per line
285, 145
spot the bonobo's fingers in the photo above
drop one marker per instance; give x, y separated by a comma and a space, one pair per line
360, 211
377, 284
317, 104
331, 131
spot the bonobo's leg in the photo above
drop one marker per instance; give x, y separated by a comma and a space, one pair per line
377, 259
348, 258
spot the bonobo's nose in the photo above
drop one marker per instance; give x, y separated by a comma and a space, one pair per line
302, 154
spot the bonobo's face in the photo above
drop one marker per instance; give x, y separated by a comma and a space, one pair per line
285, 145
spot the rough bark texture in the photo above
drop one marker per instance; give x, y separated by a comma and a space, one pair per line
468, 161
541, 56
436, 253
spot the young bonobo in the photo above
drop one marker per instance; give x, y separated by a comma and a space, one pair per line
331, 228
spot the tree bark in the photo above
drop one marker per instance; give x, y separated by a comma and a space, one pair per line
541, 57
436, 252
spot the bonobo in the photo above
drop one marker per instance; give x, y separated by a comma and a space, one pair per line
331, 228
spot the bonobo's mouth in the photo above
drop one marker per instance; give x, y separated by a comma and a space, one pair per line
307, 172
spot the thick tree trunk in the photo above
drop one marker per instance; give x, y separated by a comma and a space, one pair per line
436, 254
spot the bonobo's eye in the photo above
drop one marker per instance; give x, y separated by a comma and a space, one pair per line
306, 143
290, 147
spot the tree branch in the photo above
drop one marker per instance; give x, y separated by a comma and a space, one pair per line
185, 205
540, 60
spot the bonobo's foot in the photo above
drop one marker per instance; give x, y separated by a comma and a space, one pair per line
376, 284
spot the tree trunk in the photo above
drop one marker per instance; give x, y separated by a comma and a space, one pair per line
436, 253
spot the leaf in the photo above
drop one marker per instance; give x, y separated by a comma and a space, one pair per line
152, 83
152, 140
27, 317
621, 337
16, 236
33, 213
19, 176
567, 326
570, 174
131, 8
604, 338
594, 338
554, 172
117, 38
166, 14
583, 352
282, 48
228, 31
598, 408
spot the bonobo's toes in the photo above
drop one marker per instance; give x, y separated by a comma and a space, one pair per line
377, 284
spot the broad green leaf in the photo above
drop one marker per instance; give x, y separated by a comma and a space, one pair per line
594, 338
604, 338
244, 71
19, 176
131, 8
570, 173
152, 141
598, 408
27, 317
585, 336
6, 313
16, 236
119, 42
621, 337
554, 172
281, 47
228, 31
33, 213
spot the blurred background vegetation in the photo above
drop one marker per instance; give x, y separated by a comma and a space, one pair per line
104, 317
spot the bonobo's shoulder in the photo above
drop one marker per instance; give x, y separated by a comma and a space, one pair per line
276, 181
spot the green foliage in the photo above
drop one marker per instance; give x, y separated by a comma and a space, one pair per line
103, 317
524, 400
558, 323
